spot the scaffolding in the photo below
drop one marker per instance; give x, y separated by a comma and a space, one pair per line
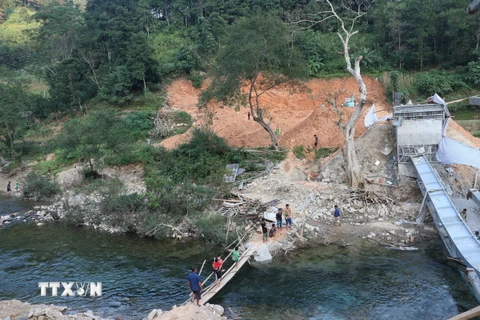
417, 112
427, 150
419, 130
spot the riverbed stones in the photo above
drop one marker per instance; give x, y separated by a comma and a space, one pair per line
18, 310
152, 314
218, 308
263, 254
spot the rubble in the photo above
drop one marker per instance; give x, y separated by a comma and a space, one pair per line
16, 310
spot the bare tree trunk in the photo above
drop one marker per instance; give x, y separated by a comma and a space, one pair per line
353, 169
257, 113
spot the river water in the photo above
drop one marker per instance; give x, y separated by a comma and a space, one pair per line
357, 282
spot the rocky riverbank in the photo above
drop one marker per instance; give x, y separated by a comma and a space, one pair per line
17, 310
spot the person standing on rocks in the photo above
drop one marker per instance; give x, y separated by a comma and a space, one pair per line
195, 285
464, 215
288, 216
9, 187
337, 214
315, 143
279, 217
264, 230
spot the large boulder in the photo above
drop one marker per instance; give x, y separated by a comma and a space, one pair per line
71, 178
263, 254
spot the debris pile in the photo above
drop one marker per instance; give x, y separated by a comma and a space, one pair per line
240, 205
376, 156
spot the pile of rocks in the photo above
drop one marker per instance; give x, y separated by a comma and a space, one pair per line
17, 310
189, 311
17, 217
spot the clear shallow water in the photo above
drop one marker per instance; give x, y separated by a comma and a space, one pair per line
138, 275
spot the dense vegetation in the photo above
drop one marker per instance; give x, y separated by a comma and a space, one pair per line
85, 65
72, 56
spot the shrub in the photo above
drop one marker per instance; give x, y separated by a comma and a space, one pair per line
202, 160
211, 227
324, 152
177, 199
37, 186
197, 79
473, 73
122, 210
298, 151
182, 117
442, 83
139, 123
183, 122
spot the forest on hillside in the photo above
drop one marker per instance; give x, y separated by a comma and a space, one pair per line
64, 57
110, 49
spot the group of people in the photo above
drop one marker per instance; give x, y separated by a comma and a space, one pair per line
9, 187
279, 216
194, 281
287, 213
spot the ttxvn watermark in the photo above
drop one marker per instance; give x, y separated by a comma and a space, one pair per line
71, 289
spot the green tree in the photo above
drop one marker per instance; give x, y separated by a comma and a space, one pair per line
257, 56
15, 111
70, 85
93, 137
116, 48
59, 34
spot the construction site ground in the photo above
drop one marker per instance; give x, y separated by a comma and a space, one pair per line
317, 185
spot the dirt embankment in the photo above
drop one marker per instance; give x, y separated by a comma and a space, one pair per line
298, 116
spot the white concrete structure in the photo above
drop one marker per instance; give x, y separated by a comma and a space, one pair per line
419, 129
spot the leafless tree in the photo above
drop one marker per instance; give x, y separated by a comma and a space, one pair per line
355, 9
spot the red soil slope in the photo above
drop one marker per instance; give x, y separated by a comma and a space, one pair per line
298, 116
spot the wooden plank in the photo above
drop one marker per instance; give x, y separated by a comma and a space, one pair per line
467, 314
213, 289
256, 241
231, 205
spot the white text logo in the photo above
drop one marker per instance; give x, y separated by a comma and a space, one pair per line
71, 289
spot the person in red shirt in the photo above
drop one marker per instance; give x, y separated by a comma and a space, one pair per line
217, 268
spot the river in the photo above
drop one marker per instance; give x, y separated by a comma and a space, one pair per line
357, 282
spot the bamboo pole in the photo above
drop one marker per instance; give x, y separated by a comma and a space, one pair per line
467, 314
202, 267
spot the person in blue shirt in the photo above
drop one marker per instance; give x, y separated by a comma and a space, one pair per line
336, 214
195, 285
